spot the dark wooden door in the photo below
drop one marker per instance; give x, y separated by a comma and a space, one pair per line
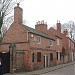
5, 62
44, 61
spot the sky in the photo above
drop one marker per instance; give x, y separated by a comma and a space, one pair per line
48, 10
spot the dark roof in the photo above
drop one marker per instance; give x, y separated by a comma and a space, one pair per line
40, 33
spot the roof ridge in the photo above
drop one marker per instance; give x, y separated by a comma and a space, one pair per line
35, 31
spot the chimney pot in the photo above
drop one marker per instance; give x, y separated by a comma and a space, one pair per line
18, 4
45, 22
39, 22
42, 21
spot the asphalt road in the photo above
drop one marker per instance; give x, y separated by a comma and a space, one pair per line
69, 70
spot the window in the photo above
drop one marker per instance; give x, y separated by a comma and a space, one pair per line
38, 56
51, 56
58, 42
32, 56
51, 43
58, 56
38, 40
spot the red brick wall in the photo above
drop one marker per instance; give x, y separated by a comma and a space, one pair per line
43, 49
44, 41
41, 26
38, 65
16, 33
57, 35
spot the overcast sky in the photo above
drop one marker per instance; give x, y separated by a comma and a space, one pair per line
48, 10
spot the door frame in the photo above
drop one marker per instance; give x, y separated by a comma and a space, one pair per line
46, 61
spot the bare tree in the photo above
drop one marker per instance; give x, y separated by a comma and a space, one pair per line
70, 26
6, 11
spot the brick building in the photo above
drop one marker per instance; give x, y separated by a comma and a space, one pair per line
56, 33
62, 41
26, 48
68, 44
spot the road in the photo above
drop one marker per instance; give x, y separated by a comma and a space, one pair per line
69, 70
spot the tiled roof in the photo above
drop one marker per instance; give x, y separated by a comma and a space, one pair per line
38, 32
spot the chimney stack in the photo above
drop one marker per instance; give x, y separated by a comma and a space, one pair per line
58, 26
41, 26
18, 14
65, 32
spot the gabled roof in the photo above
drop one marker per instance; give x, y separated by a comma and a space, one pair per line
55, 32
34, 31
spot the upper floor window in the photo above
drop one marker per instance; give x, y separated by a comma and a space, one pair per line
51, 43
38, 40
58, 42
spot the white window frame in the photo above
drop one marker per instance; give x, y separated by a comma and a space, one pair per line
51, 43
59, 57
38, 42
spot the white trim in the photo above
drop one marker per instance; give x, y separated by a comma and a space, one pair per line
45, 61
31, 35
40, 40
58, 55
51, 43
0, 63
4, 52
72, 56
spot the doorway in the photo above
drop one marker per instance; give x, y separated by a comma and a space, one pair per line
46, 62
5, 56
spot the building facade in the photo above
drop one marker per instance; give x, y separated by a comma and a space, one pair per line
56, 33
25, 49
28, 48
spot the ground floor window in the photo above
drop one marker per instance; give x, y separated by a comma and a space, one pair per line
38, 56
58, 55
51, 56
32, 56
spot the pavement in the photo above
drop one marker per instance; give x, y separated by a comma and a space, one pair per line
44, 70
